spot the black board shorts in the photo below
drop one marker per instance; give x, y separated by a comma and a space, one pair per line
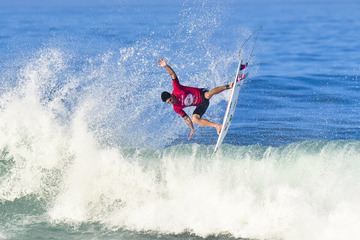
202, 107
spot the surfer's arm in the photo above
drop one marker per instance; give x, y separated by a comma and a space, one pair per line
171, 72
190, 124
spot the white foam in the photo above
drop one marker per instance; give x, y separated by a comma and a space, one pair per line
302, 191
286, 194
2, 236
30, 133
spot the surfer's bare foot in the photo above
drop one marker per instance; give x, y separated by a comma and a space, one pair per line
218, 128
230, 85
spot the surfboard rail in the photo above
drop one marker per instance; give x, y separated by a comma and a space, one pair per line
231, 106
241, 75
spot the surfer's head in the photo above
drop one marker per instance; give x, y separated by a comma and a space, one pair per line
166, 97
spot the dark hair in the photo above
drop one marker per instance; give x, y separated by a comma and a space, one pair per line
165, 96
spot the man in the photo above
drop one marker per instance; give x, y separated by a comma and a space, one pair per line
183, 96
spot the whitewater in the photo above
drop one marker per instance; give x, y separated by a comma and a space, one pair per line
306, 189
88, 150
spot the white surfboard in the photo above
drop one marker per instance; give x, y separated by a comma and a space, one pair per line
241, 74
230, 109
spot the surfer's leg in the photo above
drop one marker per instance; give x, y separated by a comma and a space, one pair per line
205, 123
199, 112
216, 90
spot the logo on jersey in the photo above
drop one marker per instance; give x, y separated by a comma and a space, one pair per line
189, 99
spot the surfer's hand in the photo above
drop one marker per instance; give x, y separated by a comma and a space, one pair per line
162, 62
191, 133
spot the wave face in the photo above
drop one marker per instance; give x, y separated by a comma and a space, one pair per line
54, 169
61, 175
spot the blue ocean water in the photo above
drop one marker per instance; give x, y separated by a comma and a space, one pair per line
88, 150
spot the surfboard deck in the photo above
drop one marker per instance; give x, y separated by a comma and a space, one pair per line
231, 107
241, 75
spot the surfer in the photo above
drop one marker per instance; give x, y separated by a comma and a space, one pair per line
184, 96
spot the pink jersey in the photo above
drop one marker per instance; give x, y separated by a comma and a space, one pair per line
186, 97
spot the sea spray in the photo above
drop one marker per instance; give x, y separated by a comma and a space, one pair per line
293, 191
26, 124
289, 192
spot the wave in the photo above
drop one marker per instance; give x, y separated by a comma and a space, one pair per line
66, 145
302, 190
